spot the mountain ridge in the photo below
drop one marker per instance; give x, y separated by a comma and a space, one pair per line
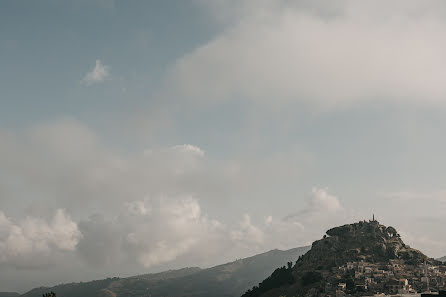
9, 294
224, 280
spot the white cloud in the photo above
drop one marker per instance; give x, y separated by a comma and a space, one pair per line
176, 227
138, 208
321, 204
31, 241
300, 228
248, 233
173, 228
269, 220
188, 148
98, 74
151, 210
148, 211
320, 53
165, 252
323, 201
323, 211
140, 205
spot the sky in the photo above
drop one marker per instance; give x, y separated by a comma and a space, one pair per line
139, 136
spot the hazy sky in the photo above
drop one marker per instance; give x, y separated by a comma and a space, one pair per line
138, 136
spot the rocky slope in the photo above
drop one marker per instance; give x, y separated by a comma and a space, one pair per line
367, 241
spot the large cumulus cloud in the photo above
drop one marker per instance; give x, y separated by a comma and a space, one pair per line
69, 200
321, 53
125, 210
31, 242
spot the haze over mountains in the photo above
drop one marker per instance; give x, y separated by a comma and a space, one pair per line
226, 280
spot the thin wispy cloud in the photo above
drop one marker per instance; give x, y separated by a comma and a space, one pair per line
98, 74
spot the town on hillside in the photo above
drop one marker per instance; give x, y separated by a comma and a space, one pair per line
391, 278
395, 277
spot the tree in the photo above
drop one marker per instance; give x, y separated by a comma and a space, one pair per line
50, 294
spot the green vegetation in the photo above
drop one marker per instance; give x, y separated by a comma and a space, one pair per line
281, 276
311, 277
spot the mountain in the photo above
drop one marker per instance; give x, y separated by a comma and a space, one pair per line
9, 294
443, 259
227, 280
361, 256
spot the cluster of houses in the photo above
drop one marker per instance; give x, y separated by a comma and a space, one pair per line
392, 278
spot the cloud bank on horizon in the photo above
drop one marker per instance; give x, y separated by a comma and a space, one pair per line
142, 207
275, 122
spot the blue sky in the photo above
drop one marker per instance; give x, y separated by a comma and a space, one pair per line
48, 46
137, 136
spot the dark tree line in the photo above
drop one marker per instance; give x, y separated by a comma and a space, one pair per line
281, 276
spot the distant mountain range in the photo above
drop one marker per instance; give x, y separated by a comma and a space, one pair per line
442, 259
9, 294
227, 280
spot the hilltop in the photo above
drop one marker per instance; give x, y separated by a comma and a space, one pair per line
367, 241
364, 246
226, 280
